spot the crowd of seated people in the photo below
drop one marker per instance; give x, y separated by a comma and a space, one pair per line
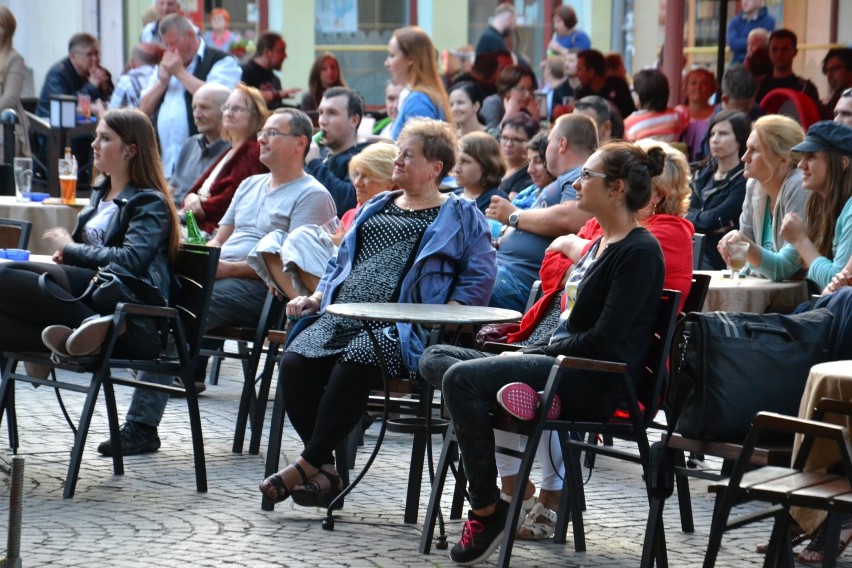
334, 218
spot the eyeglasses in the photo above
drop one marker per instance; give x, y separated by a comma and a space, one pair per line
847, 93
585, 175
236, 109
520, 89
272, 133
94, 54
513, 141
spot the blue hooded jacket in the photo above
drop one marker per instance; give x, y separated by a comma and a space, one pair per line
455, 261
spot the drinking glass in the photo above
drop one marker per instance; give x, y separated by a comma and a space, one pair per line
84, 102
737, 255
68, 181
23, 171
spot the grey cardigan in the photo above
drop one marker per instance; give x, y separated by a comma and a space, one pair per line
790, 199
11, 84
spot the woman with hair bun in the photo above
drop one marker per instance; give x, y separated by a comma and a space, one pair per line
613, 297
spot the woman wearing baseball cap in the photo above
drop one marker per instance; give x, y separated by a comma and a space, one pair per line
823, 244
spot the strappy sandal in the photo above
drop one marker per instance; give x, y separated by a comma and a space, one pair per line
818, 544
274, 487
311, 494
797, 537
540, 524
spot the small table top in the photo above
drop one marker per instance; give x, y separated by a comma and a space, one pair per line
752, 294
45, 258
423, 313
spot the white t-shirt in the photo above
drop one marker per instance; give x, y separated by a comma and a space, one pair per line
94, 233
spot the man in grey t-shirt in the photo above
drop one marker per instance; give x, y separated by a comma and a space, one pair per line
283, 199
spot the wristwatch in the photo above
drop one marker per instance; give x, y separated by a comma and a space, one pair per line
514, 217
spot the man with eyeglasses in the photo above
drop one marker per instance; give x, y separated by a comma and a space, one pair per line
837, 68
198, 152
572, 140
282, 200
340, 113
186, 65
78, 74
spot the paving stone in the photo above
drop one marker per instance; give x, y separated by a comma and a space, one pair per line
152, 516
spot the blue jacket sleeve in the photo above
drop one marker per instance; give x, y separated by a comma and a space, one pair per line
415, 104
479, 269
779, 265
822, 269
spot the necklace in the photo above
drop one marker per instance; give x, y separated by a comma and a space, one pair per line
412, 205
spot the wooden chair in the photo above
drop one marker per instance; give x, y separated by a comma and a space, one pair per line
250, 344
698, 251
195, 269
15, 234
633, 429
785, 487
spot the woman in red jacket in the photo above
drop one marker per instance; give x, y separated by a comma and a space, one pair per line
243, 115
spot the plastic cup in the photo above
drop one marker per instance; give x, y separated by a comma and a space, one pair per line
17, 254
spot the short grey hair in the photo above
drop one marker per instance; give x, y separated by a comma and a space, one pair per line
175, 22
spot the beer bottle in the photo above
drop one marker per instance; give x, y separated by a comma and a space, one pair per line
193, 233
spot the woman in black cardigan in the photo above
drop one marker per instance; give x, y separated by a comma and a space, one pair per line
612, 296
129, 222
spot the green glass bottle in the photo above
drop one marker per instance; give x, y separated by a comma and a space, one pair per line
193, 233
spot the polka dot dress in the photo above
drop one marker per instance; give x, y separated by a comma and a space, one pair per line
548, 323
386, 243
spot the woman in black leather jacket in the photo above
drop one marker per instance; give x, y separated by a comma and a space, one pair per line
130, 222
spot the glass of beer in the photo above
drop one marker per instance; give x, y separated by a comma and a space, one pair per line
68, 181
737, 254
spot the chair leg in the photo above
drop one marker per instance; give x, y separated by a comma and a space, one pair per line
654, 535
415, 474
780, 551
195, 427
7, 403
248, 400
215, 365
574, 475
448, 452
80, 437
564, 514
262, 398
112, 420
276, 432
684, 501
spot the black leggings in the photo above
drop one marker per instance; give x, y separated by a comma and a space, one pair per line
325, 400
26, 309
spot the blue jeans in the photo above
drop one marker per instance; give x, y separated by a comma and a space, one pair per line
234, 302
509, 291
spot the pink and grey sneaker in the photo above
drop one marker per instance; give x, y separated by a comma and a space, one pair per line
522, 401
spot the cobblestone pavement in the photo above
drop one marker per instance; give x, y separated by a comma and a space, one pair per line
152, 516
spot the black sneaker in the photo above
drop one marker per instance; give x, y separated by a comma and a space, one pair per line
480, 536
136, 438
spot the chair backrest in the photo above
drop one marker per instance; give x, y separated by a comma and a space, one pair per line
15, 233
535, 294
697, 293
195, 269
656, 369
697, 251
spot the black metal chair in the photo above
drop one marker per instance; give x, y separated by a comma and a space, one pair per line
697, 293
15, 233
632, 429
195, 269
250, 347
698, 251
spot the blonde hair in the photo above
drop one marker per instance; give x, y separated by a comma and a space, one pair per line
376, 160
423, 75
674, 182
777, 135
257, 108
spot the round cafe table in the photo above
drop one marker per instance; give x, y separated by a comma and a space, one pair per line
365, 312
826, 380
43, 216
753, 294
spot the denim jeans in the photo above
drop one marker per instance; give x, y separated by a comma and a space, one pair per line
470, 393
509, 292
234, 302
